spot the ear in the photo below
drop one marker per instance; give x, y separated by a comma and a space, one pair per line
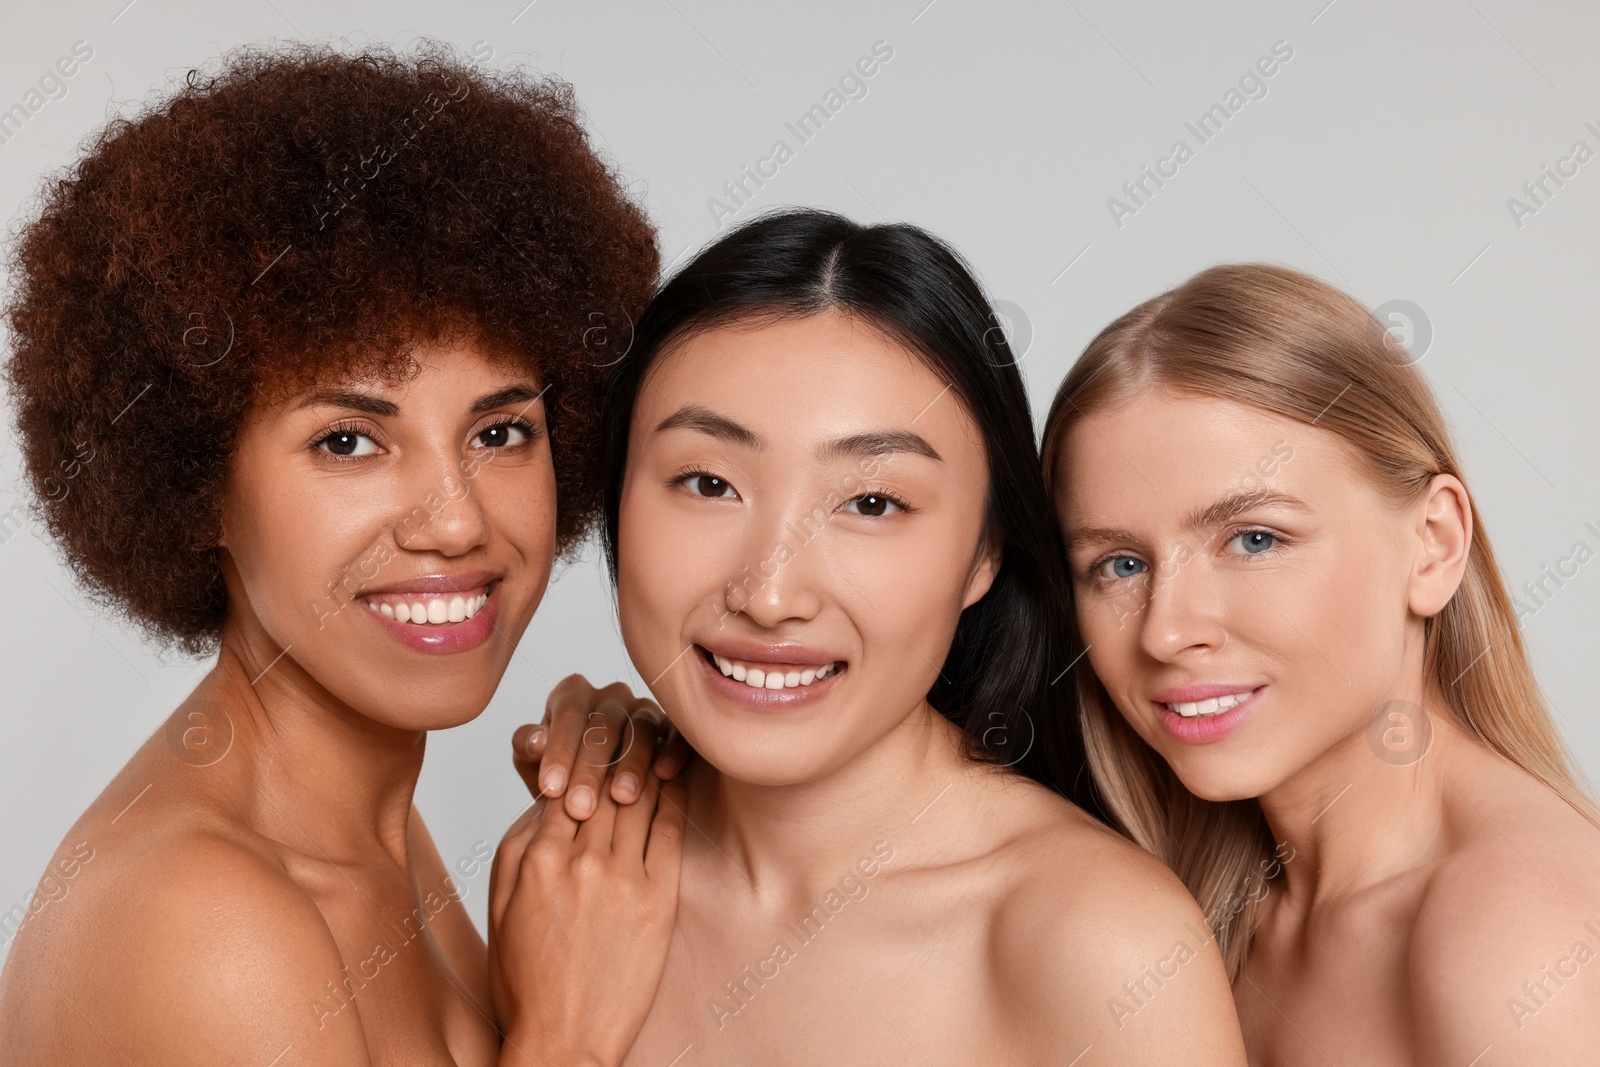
1443, 535
984, 567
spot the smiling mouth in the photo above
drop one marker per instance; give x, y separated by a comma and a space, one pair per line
428, 609
772, 675
1214, 706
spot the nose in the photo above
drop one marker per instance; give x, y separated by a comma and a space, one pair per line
438, 511
779, 573
1186, 613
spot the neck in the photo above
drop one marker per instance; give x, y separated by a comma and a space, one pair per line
791, 840
305, 768
1355, 818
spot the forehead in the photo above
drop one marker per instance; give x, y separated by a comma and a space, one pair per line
801, 380
1164, 455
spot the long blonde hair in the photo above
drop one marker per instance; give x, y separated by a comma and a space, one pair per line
1286, 343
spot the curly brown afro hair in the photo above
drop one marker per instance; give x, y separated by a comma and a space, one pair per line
292, 215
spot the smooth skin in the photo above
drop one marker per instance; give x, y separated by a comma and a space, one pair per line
1423, 891
966, 914
256, 885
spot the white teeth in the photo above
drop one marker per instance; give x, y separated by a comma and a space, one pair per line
760, 678
433, 611
1212, 706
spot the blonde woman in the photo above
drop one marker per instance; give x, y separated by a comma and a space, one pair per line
1305, 690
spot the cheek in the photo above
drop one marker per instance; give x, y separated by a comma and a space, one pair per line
667, 570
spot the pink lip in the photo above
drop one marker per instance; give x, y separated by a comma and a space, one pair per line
767, 700
770, 652
1198, 730
443, 637
436, 583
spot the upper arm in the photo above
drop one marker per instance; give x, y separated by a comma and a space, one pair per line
1121, 965
216, 957
1503, 960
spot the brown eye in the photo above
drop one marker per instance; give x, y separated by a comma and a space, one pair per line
348, 443
873, 505
708, 485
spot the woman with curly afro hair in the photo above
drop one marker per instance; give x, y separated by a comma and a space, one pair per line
307, 366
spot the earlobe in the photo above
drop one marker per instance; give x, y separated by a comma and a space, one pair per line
984, 569
1444, 536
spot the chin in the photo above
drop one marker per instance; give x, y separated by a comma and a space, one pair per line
1223, 780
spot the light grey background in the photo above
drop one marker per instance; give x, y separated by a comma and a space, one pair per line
1381, 158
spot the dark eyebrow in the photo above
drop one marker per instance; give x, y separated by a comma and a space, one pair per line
511, 395
879, 443
372, 405
706, 421
1216, 514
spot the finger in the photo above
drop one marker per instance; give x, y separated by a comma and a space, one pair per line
565, 713
527, 752
632, 831
595, 832
605, 731
503, 871
556, 824
663, 857
675, 753
647, 726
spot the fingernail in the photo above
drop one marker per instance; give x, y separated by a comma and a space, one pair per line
535, 739
582, 800
555, 779
628, 785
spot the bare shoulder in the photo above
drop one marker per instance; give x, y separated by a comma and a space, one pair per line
1099, 944
184, 946
1507, 929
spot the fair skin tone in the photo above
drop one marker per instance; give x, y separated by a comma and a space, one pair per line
1425, 885
256, 885
841, 848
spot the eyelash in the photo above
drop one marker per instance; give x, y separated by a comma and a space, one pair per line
345, 428
1091, 573
686, 473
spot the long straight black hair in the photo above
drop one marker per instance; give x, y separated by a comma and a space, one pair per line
1013, 643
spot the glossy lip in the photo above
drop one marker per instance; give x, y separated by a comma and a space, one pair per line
1198, 730
446, 637
767, 700
435, 584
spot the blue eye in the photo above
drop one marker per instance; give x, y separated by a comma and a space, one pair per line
1255, 542
1119, 567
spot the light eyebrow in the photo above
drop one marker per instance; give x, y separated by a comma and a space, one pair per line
372, 405
1229, 507
706, 421
1236, 504
879, 443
